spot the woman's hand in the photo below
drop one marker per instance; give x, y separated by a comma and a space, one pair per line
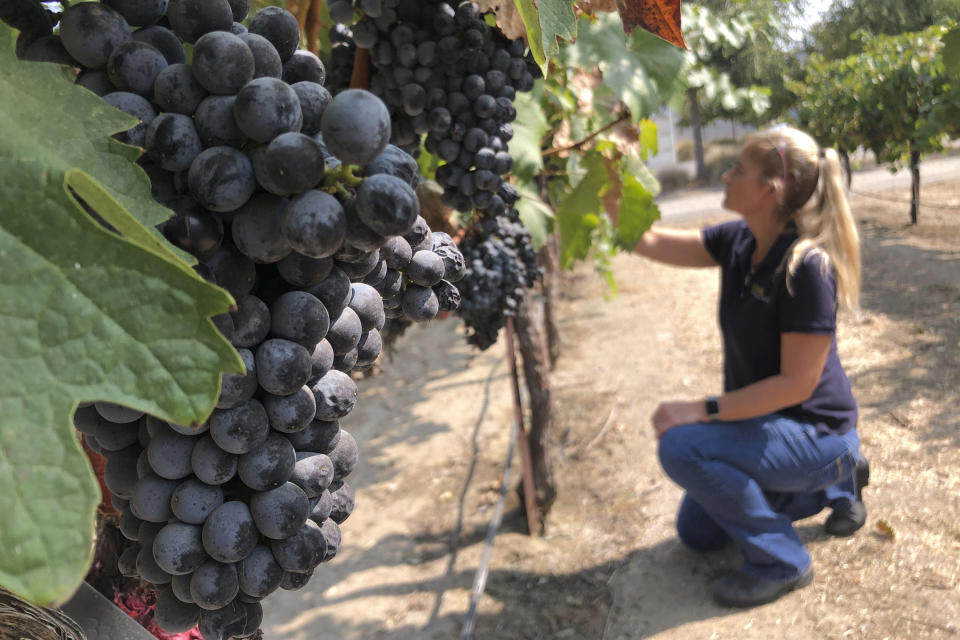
671, 414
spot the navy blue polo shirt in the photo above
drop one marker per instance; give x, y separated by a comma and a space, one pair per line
756, 307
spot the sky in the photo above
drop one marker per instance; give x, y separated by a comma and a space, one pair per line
815, 8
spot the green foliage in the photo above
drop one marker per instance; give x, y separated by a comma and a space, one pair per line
589, 113
639, 71
547, 21
850, 27
951, 54
893, 98
722, 61
85, 314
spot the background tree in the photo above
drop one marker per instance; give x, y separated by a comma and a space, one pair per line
847, 26
713, 42
768, 59
894, 98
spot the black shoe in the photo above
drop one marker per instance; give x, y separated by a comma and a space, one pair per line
845, 521
739, 589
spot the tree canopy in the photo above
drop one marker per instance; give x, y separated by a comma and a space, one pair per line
844, 29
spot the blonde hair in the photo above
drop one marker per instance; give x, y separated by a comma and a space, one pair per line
813, 197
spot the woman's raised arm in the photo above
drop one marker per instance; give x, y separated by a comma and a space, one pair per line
679, 247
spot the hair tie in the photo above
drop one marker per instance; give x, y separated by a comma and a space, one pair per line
782, 150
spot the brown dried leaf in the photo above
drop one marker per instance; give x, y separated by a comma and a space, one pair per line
563, 138
583, 84
626, 136
597, 6
659, 17
884, 530
508, 18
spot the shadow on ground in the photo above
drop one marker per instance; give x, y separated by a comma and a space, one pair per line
920, 287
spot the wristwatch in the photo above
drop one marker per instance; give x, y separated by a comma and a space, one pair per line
712, 405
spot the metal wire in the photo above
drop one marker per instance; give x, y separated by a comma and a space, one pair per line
480, 578
929, 205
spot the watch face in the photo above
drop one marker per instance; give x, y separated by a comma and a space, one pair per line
713, 407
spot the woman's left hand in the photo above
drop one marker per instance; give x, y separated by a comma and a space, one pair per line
671, 414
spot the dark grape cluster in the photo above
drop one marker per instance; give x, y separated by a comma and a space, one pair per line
295, 202
501, 268
449, 80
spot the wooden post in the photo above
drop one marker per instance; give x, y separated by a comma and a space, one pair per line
361, 69
533, 524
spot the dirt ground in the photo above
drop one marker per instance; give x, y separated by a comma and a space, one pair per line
434, 430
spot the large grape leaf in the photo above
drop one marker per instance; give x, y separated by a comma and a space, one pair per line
556, 21
536, 215
531, 20
85, 314
526, 146
580, 212
642, 70
636, 214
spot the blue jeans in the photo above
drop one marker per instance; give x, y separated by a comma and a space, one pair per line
748, 481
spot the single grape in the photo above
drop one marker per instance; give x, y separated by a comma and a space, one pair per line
279, 513
134, 66
191, 19
193, 500
164, 40
136, 106
91, 31
214, 585
356, 126
336, 395
291, 413
313, 472
266, 60
221, 179
266, 107
178, 548
150, 499
269, 465
173, 615
222, 62
257, 229
280, 27
229, 533
282, 366
241, 428
259, 573
213, 118
211, 464
314, 224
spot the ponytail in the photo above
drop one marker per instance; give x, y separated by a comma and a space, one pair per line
827, 225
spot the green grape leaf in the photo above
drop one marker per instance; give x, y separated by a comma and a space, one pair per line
536, 216
641, 70
580, 212
637, 212
531, 21
85, 314
526, 146
649, 140
556, 21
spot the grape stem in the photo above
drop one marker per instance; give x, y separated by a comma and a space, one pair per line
580, 143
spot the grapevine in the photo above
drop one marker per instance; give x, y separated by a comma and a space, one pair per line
293, 201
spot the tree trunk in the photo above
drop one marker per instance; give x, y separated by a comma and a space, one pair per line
697, 128
536, 373
914, 186
551, 273
845, 163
